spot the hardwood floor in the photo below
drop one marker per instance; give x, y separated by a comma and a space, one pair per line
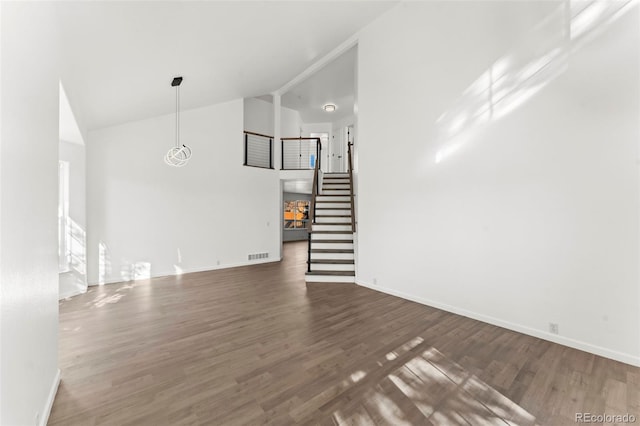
255, 345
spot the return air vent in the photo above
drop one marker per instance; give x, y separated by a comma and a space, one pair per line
258, 256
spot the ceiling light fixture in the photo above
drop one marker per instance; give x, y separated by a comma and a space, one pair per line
329, 107
179, 155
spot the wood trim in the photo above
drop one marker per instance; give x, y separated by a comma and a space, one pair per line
314, 193
257, 134
353, 216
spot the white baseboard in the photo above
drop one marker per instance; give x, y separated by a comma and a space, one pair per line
565, 341
71, 294
46, 411
190, 271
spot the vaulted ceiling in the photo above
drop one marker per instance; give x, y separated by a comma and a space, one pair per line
119, 57
333, 84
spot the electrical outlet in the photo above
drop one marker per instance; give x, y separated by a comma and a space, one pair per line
375, 281
553, 328
217, 262
37, 418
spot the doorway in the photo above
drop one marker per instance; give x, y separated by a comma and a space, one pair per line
324, 143
337, 153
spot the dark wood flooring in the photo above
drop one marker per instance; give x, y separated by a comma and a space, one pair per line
255, 345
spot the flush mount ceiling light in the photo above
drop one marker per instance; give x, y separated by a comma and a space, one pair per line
179, 155
329, 107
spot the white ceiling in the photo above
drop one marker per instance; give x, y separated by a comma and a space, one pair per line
120, 57
333, 84
298, 186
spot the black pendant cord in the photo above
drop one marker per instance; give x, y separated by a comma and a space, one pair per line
177, 116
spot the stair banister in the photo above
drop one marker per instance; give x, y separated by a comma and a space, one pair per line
312, 208
353, 215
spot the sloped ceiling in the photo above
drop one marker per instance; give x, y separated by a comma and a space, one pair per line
119, 57
334, 84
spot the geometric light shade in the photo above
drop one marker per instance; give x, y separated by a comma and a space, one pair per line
178, 156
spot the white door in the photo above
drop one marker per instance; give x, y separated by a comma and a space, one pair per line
337, 153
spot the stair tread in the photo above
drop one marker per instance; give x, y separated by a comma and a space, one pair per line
339, 273
335, 215
331, 250
333, 223
334, 261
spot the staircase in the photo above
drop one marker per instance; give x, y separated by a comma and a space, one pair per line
331, 238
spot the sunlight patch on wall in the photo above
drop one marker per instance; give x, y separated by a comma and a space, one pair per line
177, 267
136, 271
104, 263
515, 78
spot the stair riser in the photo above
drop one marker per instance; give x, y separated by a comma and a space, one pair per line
333, 205
332, 267
332, 256
334, 246
321, 219
322, 227
336, 175
332, 212
320, 237
329, 279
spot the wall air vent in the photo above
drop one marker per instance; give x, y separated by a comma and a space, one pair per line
256, 256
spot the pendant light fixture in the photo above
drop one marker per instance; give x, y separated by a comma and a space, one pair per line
179, 155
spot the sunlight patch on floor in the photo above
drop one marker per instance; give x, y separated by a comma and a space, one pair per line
428, 387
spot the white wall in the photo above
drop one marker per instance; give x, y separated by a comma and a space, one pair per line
527, 216
75, 281
338, 126
29, 84
258, 118
152, 219
291, 123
